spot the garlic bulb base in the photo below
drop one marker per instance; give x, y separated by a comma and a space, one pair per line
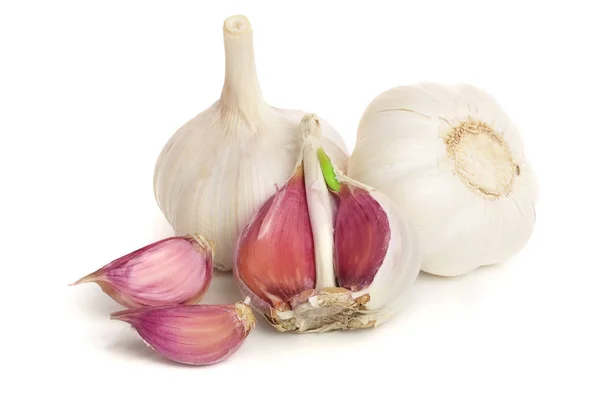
481, 159
327, 310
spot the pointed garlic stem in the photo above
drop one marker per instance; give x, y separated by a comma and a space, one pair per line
241, 95
319, 202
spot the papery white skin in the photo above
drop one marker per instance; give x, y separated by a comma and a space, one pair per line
401, 151
219, 168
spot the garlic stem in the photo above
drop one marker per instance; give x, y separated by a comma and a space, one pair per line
319, 203
241, 95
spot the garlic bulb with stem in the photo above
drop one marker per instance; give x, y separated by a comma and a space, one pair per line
219, 168
325, 252
450, 157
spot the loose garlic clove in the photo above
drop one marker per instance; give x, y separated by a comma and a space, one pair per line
192, 334
354, 276
176, 270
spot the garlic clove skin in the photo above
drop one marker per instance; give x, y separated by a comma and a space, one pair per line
218, 169
391, 285
377, 253
176, 270
275, 254
452, 160
197, 334
370, 253
362, 238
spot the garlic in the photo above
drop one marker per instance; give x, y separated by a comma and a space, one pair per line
325, 252
192, 334
218, 169
453, 161
176, 270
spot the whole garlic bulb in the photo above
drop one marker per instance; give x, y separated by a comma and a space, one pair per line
219, 168
453, 161
326, 252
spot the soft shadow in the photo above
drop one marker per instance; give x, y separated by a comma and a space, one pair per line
222, 290
134, 348
161, 228
427, 277
444, 280
92, 301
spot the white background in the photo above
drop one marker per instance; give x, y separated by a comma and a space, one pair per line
91, 91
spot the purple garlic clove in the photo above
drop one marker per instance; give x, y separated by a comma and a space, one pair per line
197, 334
362, 236
176, 270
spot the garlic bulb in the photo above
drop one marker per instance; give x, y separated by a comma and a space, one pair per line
325, 252
219, 168
453, 161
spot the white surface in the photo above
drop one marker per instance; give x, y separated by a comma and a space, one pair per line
89, 93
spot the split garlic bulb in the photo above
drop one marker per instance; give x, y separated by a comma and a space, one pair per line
218, 169
453, 161
326, 252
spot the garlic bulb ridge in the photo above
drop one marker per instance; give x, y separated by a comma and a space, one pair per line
450, 157
325, 252
220, 167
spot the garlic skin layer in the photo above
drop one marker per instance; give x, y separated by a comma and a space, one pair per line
217, 170
176, 270
452, 160
199, 334
325, 252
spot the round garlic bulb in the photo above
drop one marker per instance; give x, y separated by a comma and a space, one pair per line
219, 168
454, 163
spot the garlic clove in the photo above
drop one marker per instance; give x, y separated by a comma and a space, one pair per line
275, 254
176, 270
376, 254
362, 237
196, 334
392, 283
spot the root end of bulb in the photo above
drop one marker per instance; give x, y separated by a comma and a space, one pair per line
482, 159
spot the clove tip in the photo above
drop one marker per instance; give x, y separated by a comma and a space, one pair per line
86, 279
122, 315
